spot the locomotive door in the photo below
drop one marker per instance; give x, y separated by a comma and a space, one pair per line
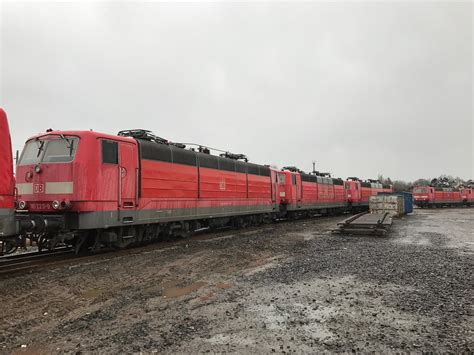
298, 189
127, 176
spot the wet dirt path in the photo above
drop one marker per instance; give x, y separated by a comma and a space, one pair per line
289, 287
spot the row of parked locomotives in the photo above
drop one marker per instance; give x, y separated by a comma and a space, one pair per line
7, 182
94, 190
432, 196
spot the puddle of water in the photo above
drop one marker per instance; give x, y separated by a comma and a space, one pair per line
223, 285
208, 297
92, 293
160, 287
174, 292
31, 350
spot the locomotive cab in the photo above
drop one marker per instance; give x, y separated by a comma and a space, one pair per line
45, 172
292, 188
69, 179
467, 196
423, 195
353, 190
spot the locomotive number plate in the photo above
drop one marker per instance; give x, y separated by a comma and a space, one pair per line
40, 206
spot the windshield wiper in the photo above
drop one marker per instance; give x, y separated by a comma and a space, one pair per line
40, 147
69, 144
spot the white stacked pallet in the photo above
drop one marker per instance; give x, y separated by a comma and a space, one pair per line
392, 204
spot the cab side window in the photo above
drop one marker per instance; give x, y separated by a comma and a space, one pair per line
109, 152
281, 178
293, 179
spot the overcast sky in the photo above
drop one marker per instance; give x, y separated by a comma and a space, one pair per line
362, 88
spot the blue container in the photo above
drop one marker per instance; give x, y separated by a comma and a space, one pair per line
407, 199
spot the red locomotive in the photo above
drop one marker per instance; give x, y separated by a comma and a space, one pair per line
7, 183
305, 194
359, 192
90, 189
430, 196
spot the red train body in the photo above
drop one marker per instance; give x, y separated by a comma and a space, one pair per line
102, 181
429, 196
7, 183
359, 192
89, 188
308, 192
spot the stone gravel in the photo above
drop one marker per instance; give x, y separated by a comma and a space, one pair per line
281, 288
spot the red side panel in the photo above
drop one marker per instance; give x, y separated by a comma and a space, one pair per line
6, 163
310, 192
339, 193
447, 196
168, 180
163, 182
259, 187
220, 184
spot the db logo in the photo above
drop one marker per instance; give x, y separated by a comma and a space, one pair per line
38, 188
222, 185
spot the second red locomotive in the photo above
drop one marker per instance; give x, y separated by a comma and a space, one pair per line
431, 196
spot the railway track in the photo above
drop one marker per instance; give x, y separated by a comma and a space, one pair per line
12, 265
18, 263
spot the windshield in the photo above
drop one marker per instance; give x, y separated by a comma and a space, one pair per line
58, 150
421, 190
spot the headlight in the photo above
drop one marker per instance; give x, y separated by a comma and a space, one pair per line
55, 204
22, 205
37, 169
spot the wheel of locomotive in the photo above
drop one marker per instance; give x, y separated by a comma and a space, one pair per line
43, 242
40, 243
9, 247
33, 237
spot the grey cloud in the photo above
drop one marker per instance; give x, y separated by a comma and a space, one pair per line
361, 88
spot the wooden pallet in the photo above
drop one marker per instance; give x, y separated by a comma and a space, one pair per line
366, 224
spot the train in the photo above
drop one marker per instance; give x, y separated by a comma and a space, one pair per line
433, 196
7, 181
92, 190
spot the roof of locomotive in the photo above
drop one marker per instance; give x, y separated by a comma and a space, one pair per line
81, 134
97, 135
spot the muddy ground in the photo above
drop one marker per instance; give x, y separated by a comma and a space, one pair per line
288, 287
